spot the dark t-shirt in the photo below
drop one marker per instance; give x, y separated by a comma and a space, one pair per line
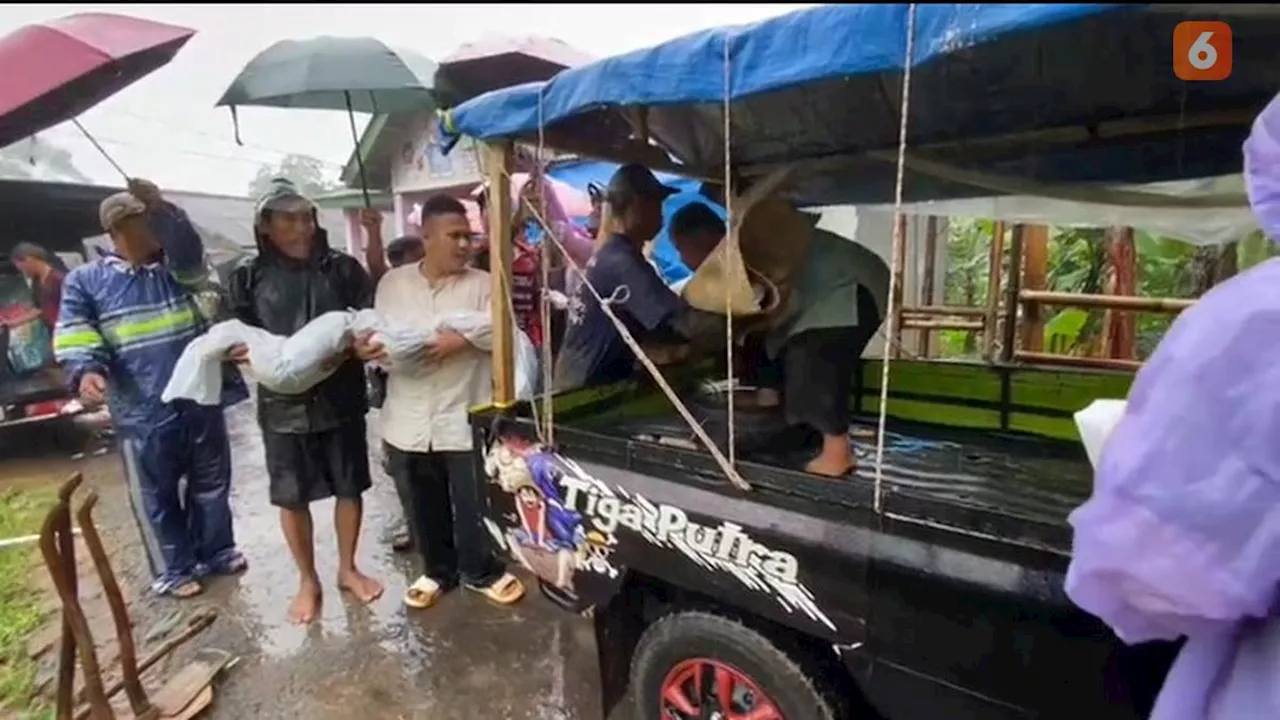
593, 352
48, 294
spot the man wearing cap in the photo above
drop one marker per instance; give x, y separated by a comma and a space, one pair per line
315, 442
124, 320
593, 352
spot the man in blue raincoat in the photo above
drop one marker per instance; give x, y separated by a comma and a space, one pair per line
123, 321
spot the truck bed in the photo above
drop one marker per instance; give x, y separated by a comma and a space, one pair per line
1009, 487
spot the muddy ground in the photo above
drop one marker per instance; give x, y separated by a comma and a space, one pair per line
461, 659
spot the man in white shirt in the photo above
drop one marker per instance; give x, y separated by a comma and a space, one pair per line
424, 414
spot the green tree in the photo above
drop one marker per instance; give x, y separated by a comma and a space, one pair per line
306, 172
968, 270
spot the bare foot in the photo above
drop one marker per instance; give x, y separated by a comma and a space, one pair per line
822, 465
305, 607
363, 587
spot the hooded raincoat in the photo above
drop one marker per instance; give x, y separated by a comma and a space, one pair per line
130, 323
315, 441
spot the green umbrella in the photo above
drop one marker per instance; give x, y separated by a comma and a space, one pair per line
335, 73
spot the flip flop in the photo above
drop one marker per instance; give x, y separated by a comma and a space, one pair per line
506, 590
184, 590
423, 593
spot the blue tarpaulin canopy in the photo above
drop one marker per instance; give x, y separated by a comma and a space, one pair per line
1046, 94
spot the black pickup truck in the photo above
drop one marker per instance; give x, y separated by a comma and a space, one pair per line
797, 599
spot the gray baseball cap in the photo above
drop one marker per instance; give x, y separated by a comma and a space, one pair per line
118, 207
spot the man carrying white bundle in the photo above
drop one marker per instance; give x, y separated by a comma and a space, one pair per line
424, 415
315, 441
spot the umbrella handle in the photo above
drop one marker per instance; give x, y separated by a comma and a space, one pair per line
101, 149
355, 138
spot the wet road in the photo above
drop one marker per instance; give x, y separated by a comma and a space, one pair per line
461, 659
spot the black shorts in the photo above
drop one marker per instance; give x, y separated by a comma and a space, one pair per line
303, 468
815, 370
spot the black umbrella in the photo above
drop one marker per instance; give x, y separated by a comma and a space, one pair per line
333, 73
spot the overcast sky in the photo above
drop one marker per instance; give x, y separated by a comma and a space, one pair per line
166, 128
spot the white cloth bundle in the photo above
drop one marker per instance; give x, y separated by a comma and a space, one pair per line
287, 365
405, 345
292, 365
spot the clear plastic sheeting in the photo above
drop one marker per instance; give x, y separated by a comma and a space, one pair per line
1195, 225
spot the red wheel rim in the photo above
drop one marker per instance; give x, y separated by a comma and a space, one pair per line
706, 689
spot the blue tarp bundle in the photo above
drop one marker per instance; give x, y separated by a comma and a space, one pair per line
801, 47
822, 85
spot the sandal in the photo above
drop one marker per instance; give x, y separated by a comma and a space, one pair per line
232, 565
180, 590
423, 593
506, 590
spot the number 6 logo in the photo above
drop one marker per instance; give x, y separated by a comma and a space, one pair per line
1202, 50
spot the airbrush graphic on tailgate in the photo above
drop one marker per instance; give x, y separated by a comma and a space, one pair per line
566, 523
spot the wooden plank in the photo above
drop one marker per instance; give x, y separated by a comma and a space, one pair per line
1035, 258
926, 281
496, 160
1009, 333
995, 271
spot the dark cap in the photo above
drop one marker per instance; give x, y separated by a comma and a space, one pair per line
635, 181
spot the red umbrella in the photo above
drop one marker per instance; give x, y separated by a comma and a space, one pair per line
63, 67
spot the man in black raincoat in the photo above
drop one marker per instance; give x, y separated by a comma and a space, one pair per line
315, 442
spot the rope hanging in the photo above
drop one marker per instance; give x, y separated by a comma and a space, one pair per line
544, 296
731, 237
892, 311
605, 305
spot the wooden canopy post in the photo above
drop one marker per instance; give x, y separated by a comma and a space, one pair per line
898, 252
496, 164
1013, 285
923, 343
1035, 258
995, 270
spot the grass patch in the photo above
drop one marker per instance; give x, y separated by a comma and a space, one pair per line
21, 513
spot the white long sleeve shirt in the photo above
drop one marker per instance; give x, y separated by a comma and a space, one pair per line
425, 408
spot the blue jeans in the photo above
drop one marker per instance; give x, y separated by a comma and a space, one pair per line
185, 527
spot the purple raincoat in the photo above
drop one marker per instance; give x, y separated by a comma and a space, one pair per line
1182, 533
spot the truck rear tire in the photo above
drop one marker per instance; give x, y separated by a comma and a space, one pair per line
684, 653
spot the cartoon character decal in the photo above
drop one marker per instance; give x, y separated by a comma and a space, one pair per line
563, 526
545, 534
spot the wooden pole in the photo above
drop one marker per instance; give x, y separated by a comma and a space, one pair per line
1035, 259
899, 244
496, 160
1115, 302
995, 269
1009, 333
1121, 327
926, 281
